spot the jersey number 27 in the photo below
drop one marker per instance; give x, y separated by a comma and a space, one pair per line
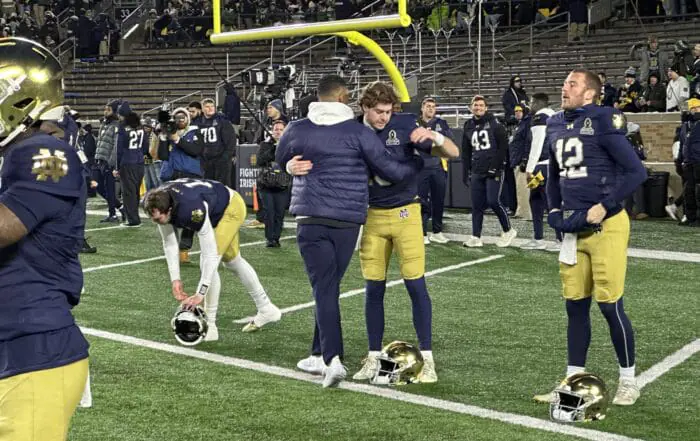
570, 158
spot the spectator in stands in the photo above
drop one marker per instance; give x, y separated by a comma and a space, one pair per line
513, 96
608, 92
652, 59
695, 82
149, 30
627, 99
106, 160
273, 186
653, 97
689, 158
678, 90
683, 58
578, 20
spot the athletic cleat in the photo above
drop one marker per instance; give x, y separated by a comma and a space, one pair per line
184, 257
506, 238
627, 393
534, 244
428, 374
473, 242
313, 364
212, 332
438, 238
266, 314
334, 373
369, 368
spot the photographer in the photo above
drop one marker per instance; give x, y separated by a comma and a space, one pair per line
274, 184
180, 148
219, 143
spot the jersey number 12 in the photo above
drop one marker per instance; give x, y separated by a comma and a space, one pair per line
571, 167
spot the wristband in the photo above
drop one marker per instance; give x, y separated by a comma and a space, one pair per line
203, 290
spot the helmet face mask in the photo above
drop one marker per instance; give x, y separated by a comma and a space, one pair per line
399, 363
190, 326
581, 397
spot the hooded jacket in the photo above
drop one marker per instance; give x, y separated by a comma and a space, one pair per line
183, 157
344, 154
107, 141
511, 98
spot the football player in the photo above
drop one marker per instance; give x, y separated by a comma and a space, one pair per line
394, 222
216, 213
592, 169
484, 151
43, 354
536, 171
219, 143
432, 184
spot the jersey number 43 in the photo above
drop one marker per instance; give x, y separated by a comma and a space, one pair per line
569, 153
480, 140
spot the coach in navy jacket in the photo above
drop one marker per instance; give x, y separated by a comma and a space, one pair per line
334, 156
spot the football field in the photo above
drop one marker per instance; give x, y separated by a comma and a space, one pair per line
499, 337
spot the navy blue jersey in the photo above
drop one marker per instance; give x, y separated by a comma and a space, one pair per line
218, 135
484, 145
189, 196
591, 160
436, 125
396, 136
130, 145
41, 182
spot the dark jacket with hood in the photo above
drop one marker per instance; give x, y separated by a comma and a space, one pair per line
511, 98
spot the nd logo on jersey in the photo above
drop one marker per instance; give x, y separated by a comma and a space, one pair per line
47, 165
393, 138
403, 213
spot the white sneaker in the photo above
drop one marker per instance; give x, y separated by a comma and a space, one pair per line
554, 247
266, 314
506, 238
534, 244
684, 218
212, 332
473, 242
428, 374
426, 240
672, 211
334, 373
627, 393
438, 238
313, 364
369, 368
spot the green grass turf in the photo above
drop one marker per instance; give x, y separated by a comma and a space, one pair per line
499, 337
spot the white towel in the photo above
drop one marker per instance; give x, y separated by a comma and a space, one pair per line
567, 254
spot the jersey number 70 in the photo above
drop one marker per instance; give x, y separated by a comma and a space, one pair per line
569, 153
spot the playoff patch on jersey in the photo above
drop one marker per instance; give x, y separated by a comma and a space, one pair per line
47, 165
393, 139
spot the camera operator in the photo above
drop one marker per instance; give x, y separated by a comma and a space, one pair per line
219, 143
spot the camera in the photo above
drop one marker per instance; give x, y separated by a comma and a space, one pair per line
168, 124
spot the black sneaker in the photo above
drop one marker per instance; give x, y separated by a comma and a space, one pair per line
277, 244
87, 249
270, 244
110, 219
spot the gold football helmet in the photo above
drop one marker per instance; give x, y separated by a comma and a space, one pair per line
399, 363
580, 397
31, 86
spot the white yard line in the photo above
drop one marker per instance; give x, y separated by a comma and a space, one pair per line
631, 252
152, 259
384, 392
114, 227
668, 363
355, 292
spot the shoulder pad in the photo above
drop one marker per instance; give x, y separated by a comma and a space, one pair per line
44, 163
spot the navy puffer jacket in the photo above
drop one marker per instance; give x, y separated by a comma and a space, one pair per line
344, 154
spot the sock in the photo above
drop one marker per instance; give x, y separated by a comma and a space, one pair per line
422, 311
211, 300
571, 370
86, 399
374, 313
375, 354
249, 279
620, 332
578, 331
427, 355
627, 373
